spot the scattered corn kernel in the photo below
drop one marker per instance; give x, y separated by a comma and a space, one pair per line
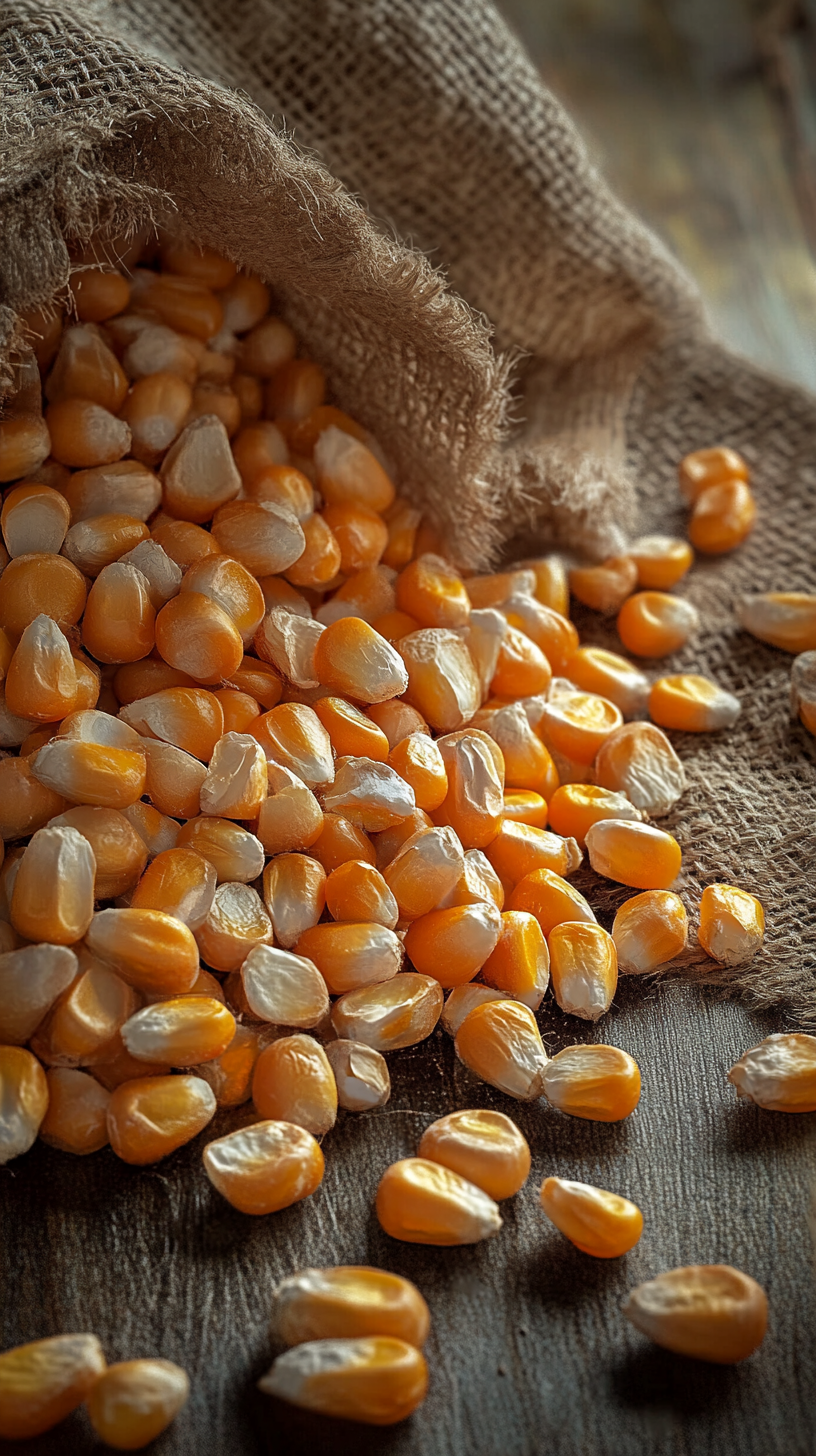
584, 968
598, 1223
703, 468
390, 1014
422, 1202
135, 1401
500, 1042
42, 1382
347, 1302
150, 1117
722, 517
606, 586
600, 1083
779, 1074
649, 931
652, 624
784, 619
709, 1311
361, 1074
639, 761
484, 1147
264, 1167
639, 855
661, 561
376, 1380
732, 924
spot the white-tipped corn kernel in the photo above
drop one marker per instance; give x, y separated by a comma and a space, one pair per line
347, 1302
376, 1379
421, 1202
779, 1074
732, 924
361, 1074
709, 1311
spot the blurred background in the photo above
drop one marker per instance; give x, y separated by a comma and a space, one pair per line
702, 116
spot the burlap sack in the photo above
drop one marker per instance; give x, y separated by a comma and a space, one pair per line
577, 372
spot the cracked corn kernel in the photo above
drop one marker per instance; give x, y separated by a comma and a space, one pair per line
550, 899
147, 948
264, 1167
356, 891
376, 1380
135, 1401
181, 1031
779, 1074
584, 968
289, 641
370, 793
500, 1042
53, 896
294, 893
520, 965
606, 586
452, 945
732, 924
722, 516
649, 931
594, 1081
283, 988
639, 761
661, 561
350, 956
596, 1222
391, 1014
692, 704
349, 1301
709, 1311
482, 1146
422, 1202
150, 1117
293, 1082
42, 1382
597, 671
442, 681
77, 1116
181, 883
361, 1074
703, 468
652, 624
425, 868
23, 1105
784, 619
803, 690
639, 855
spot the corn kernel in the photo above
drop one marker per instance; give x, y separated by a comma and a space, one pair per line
803, 690
181, 1031
293, 1082
152, 1116
347, 1302
596, 1222
135, 1401
484, 1147
611, 677
147, 948
784, 619
639, 855
294, 892
661, 561
376, 1380
42, 1382
283, 988
722, 517
709, 1311
339, 841
606, 586
236, 923
351, 731
424, 870
639, 761
181, 883
90, 773
649, 931
32, 977
356, 891
524, 806
265, 1167
779, 1074
361, 1074
293, 736
351, 956
732, 924
652, 624
584, 967
550, 899
520, 965
474, 802
527, 763
500, 1042
77, 1117
518, 849
596, 1082
442, 681
464, 999
391, 1014
692, 704
555, 635
452, 945
348, 473
429, 590
53, 895
119, 852
369, 793
24, 1101
703, 468
422, 1202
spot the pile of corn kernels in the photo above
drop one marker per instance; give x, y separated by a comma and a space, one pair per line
276, 778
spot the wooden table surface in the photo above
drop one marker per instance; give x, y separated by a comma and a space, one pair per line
529, 1353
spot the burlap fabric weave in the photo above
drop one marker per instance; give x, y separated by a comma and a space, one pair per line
538, 388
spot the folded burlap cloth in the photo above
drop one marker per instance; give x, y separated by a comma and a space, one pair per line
538, 389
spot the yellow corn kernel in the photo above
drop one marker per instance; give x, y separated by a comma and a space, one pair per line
180, 882
421, 1202
784, 619
294, 892
182, 1031
418, 761
577, 724
147, 948
703, 468
639, 855
230, 1075
53, 892
500, 1042
732, 924
351, 956
584, 966
779, 1074
425, 869
652, 624
376, 1380
803, 690
42, 1382
236, 923
649, 931
293, 1082
32, 977
550, 899
520, 964
574, 808
361, 1074
24, 1100
442, 681
596, 1222
285, 989
432, 592
661, 561
484, 1147
392, 1014
597, 671
605, 586
87, 1016
267, 1166
519, 849
77, 1116
452, 945
91, 773
349, 1302
119, 851
135, 1401
639, 761
463, 999
600, 1083
478, 883
722, 517
709, 1311
150, 1117
475, 799
692, 704
551, 586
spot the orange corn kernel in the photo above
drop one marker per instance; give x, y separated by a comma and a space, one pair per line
376, 1380
346, 1302
350, 956
202, 264
661, 561
264, 537
639, 855
732, 924
596, 1222
320, 559
396, 719
521, 667
116, 1066
452, 945
86, 369
265, 1167
230, 1075
418, 761
183, 303
722, 517
99, 294
180, 883
152, 1116
88, 1015
652, 624
422, 1202
424, 869
267, 347
119, 853
518, 849
361, 1074
574, 808
357, 892
520, 964
285, 989
293, 736
76, 1120
236, 923
285, 486
351, 732
599, 1083
259, 448
595, 670
477, 883
24, 445
295, 389
305, 433
41, 680
395, 625
429, 590
442, 681
190, 718
34, 518
704, 468
25, 804
234, 853
354, 660
83, 433
184, 542
389, 841
119, 621
54, 889
709, 1311
239, 709
496, 588
692, 704
554, 635
348, 473
500, 1042
236, 782
173, 779
403, 522
606, 586
293, 1082
784, 619
527, 763
391, 1014
551, 586
361, 536
639, 761
258, 680
99, 541
24, 1093
40, 582
245, 301
91, 773
475, 799
42, 1382
135, 1401
294, 890
181, 1031
584, 966
551, 899
155, 412
484, 1147
290, 819
524, 806
339, 840
197, 636
147, 948
32, 977
577, 724
231, 586
649, 931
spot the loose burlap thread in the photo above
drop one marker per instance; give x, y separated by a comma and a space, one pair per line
538, 390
